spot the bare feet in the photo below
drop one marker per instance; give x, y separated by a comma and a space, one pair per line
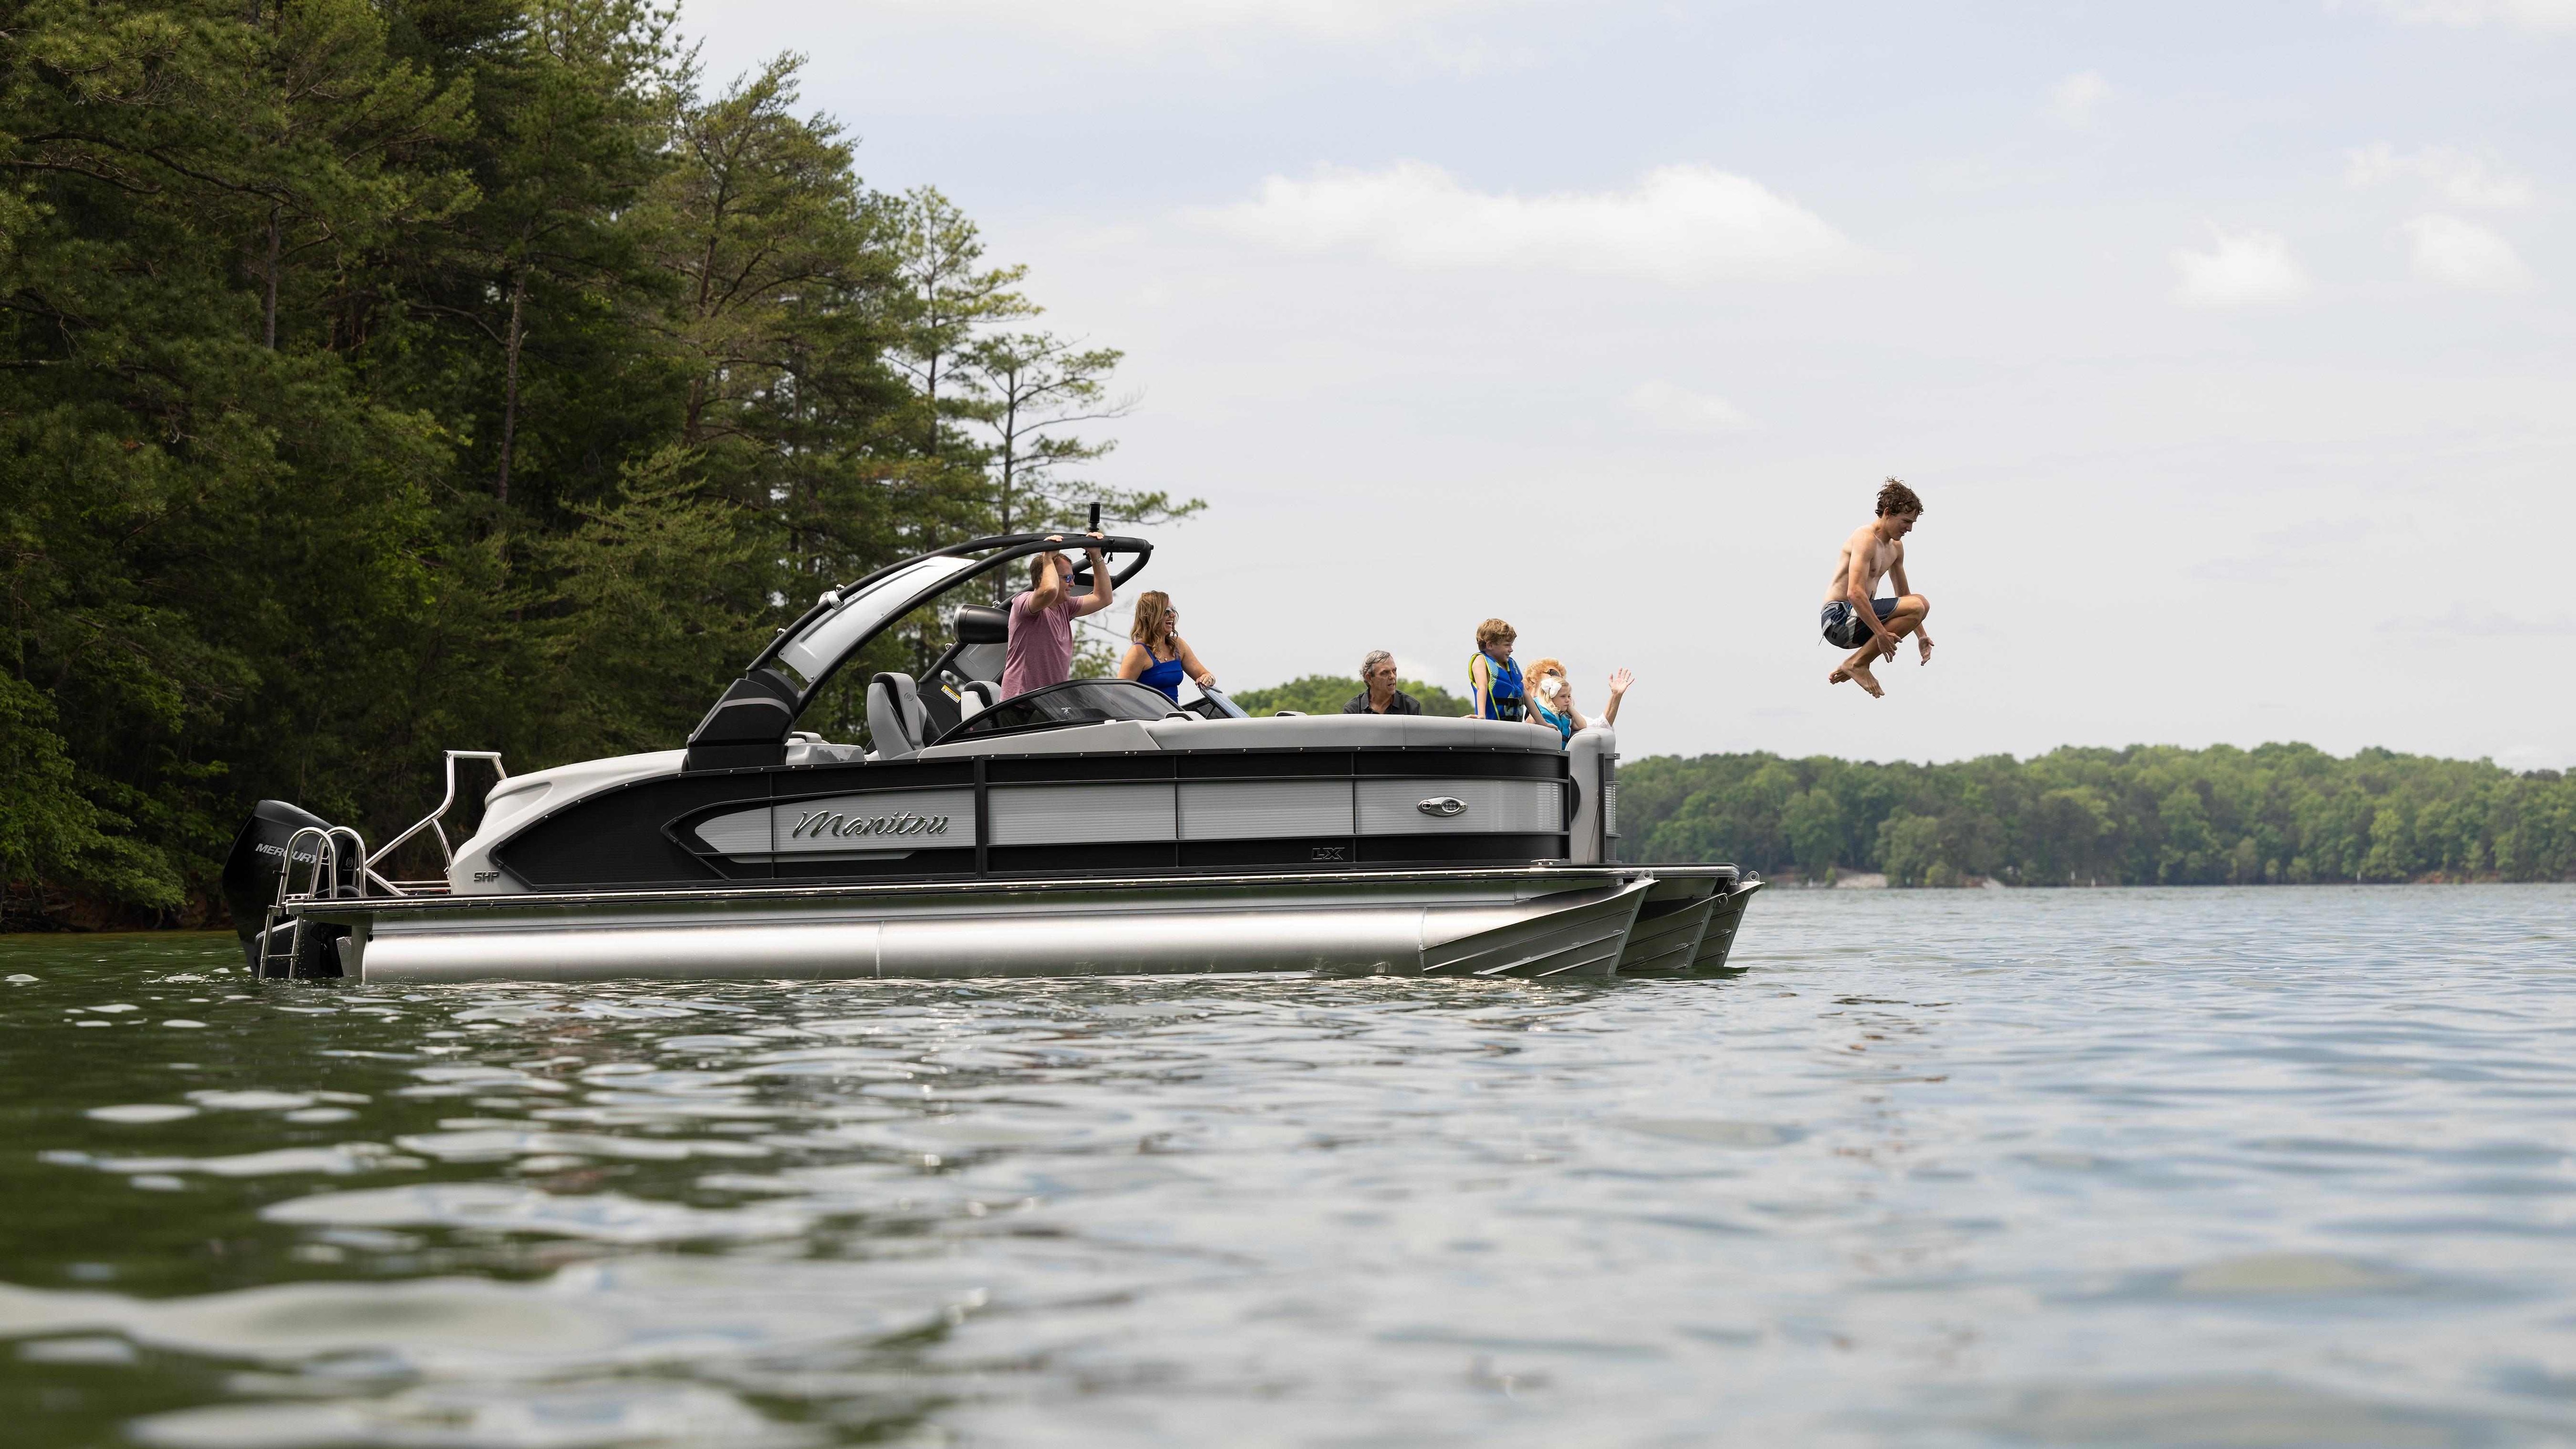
1839, 675
1861, 676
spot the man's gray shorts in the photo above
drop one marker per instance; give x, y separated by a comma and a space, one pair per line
1843, 628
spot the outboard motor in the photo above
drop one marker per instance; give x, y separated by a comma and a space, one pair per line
251, 875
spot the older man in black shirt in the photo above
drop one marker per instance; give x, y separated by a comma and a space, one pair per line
1381, 697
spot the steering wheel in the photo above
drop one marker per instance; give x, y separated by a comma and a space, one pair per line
1214, 704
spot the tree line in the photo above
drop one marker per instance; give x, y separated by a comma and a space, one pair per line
1327, 693
2147, 815
384, 375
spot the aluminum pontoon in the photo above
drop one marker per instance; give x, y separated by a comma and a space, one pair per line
1085, 828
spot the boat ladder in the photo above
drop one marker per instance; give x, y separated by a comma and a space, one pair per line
282, 945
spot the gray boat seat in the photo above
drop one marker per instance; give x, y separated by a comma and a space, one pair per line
896, 720
983, 636
823, 752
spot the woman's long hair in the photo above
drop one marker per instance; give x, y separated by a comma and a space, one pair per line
1153, 624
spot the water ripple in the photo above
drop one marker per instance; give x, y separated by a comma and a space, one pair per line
2224, 1167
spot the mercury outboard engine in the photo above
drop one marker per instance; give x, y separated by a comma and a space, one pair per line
251, 876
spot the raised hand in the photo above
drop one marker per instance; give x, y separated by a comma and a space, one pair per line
1620, 679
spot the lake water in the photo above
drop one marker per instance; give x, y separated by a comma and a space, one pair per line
2211, 1167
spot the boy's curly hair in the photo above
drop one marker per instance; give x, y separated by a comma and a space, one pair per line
1895, 497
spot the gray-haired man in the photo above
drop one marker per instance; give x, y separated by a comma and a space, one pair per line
1377, 671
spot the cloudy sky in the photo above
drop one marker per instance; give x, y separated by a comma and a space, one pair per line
2230, 346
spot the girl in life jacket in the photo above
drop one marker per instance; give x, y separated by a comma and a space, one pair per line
1552, 697
1494, 678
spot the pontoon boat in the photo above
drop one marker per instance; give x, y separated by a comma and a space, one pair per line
1089, 827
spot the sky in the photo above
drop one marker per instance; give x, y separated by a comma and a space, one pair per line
2230, 347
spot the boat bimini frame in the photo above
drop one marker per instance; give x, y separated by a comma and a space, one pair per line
750, 726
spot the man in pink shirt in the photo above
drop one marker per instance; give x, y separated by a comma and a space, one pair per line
1040, 651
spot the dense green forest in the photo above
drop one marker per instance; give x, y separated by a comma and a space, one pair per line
2280, 814
384, 375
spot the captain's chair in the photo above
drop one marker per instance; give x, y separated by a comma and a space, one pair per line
896, 721
982, 648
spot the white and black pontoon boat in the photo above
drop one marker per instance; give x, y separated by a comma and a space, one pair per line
1084, 828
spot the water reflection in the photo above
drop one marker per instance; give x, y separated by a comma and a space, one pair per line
2084, 1167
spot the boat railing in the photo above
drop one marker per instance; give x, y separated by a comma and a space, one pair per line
435, 824
334, 844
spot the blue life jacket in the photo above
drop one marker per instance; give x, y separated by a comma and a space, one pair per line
1503, 697
1564, 723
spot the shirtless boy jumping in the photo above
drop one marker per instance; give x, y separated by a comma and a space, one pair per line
1868, 626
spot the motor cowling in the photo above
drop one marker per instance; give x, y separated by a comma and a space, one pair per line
251, 873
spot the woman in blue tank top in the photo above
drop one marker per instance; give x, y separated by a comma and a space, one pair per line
1158, 657
1493, 677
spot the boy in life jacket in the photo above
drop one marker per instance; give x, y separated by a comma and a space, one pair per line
1492, 676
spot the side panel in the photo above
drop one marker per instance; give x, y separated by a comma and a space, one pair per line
884, 824
1067, 814
1424, 806
1264, 809
642, 832
617, 837
513, 803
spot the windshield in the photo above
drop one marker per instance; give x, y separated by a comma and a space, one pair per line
814, 652
1079, 701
